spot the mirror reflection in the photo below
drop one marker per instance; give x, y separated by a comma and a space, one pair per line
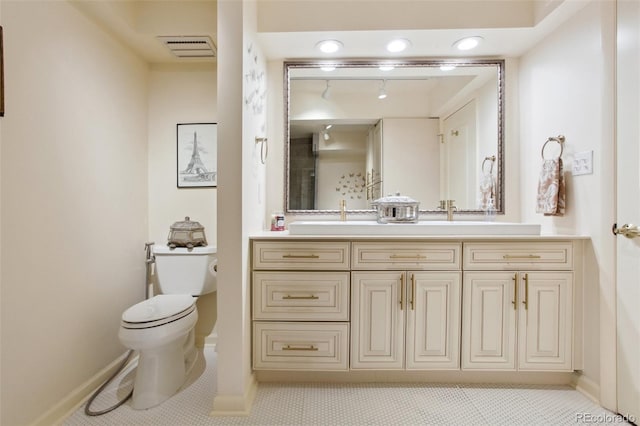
431, 130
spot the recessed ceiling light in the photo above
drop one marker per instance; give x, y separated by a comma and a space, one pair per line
328, 68
329, 46
398, 45
467, 43
447, 67
386, 67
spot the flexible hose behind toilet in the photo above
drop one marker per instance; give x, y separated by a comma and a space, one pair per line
149, 260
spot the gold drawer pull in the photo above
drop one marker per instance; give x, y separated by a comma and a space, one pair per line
300, 348
300, 256
515, 291
399, 256
526, 291
522, 256
312, 297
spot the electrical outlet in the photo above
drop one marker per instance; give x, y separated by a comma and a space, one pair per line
582, 163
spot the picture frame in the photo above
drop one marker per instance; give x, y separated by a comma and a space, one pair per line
197, 156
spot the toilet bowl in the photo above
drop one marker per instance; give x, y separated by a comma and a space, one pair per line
161, 328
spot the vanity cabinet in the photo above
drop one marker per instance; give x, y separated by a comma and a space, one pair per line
412, 304
405, 320
300, 305
518, 306
405, 305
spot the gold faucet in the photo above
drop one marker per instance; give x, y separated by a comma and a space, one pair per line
449, 207
343, 210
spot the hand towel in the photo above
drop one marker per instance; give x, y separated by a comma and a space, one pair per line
487, 191
551, 189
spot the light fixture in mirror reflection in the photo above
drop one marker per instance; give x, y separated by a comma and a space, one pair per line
428, 137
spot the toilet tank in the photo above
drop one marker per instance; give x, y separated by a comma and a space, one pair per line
184, 271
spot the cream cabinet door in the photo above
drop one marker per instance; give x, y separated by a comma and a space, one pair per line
489, 321
545, 323
433, 320
377, 320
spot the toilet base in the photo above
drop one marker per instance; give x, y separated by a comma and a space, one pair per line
161, 373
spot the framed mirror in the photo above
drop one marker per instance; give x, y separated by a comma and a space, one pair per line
358, 130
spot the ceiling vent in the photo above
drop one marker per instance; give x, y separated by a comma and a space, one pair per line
190, 46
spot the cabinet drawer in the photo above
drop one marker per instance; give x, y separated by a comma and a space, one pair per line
417, 256
306, 255
301, 296
517, 256
300, 346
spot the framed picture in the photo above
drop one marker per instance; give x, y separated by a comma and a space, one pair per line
197, 155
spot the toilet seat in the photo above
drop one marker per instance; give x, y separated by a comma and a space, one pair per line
158, 310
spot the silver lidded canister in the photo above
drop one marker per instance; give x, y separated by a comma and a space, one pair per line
186, 233
396, 209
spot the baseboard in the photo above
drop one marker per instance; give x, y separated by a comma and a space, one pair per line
587, 387
417, 376
57, 414
236, 405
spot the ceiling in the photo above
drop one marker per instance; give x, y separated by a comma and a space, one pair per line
290, 29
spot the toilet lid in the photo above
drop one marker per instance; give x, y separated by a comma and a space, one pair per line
158, 308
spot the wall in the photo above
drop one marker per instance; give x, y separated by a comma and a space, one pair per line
74, 202
566, 87
180, 93
242, 97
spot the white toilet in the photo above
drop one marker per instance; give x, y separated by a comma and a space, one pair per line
161, 328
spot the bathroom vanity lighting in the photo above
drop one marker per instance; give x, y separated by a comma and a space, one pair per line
329, 46
467, 43
398, 45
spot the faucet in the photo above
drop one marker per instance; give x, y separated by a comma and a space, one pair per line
449, 207
343, 210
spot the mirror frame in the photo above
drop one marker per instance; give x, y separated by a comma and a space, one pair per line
498, 63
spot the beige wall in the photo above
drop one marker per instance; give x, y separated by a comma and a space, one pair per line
180, 93
74, 202
566, 87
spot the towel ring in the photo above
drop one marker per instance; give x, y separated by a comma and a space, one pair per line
559, 139
491, 158
264, 148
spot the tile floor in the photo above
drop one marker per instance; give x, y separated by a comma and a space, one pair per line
355, 404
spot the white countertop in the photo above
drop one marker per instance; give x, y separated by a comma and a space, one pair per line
270, 235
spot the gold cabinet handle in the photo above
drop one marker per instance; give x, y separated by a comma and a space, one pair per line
401, 291
300, 256
311, 297
526, 291
413, 290
521, 256
514, 302
400, 256
299, 348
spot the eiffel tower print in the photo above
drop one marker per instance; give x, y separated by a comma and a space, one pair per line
195, 152
195, 166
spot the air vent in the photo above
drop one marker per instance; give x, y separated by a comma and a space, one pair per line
190, 46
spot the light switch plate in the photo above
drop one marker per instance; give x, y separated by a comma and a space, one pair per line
582, 163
